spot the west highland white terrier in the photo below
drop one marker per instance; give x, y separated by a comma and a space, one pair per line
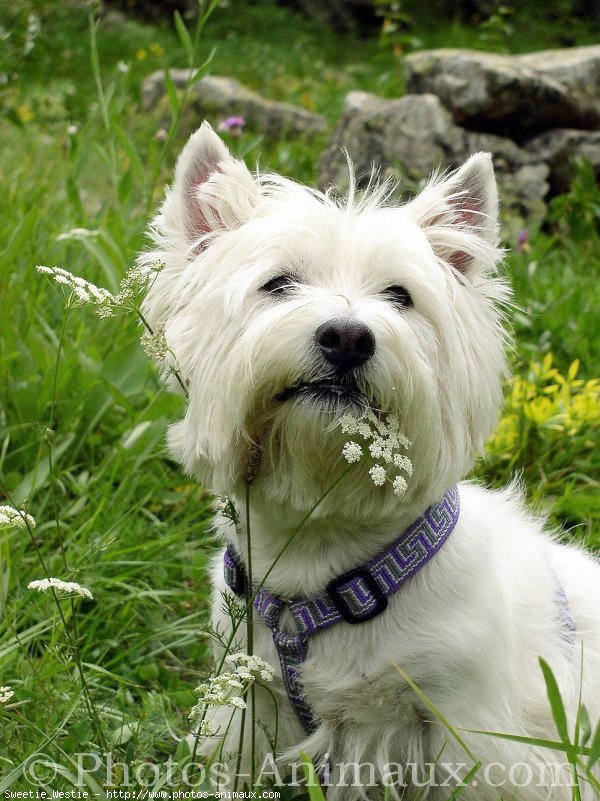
344, 360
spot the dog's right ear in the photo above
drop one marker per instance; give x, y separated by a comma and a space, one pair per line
211, 192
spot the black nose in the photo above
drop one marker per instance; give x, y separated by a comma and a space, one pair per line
345, 343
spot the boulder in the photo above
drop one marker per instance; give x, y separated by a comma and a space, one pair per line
560, 149
515, 95
414, 136
216, 96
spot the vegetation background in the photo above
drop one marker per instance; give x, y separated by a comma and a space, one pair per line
83, 415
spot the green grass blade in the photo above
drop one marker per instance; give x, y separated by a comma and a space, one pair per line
439, 715
458, 791
184, 38
594, 749
556, 702
313, 785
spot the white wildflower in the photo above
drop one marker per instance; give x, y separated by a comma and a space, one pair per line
376, 448
6, 694
155, 345
365, 430
243, 672
252, 667
83, 295
378, 475
403, 463
207, 729
386, 440
77, 233
105, 310
122, 67
41, 585
400, 485
349, 424
228, 689
352, 452
33, 31
15, 518
401, 441
84, 291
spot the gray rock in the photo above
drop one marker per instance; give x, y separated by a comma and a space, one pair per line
414, 136
515, 95
560, 149
215, 96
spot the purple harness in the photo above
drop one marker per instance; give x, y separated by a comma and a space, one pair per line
354, 597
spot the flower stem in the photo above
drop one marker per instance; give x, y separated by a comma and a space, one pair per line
250, 635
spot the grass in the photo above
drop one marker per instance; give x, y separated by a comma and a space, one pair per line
114, 513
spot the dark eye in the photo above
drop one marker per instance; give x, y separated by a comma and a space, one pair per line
280, 285
399, 296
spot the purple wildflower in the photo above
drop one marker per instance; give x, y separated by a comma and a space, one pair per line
232, 125
522, 240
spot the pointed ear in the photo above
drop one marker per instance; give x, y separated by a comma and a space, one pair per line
459, 215
212, 191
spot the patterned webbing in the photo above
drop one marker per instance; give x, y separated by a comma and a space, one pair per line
355, 596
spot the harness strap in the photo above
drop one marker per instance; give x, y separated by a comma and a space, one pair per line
354, 597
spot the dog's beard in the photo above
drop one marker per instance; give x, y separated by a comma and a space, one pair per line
302, 442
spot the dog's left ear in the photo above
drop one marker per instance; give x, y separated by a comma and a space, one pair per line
212, 191
459, 215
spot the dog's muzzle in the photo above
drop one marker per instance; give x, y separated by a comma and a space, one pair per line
336, 391
345, 345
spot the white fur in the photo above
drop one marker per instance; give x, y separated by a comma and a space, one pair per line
469, 628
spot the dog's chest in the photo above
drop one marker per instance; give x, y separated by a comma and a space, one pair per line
346, 683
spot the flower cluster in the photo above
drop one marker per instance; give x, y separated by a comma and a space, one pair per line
382, 441
155, 345
6, 694
251, 668
14, 518
549, 405
132, 288
41, 585
83, 291
229, 688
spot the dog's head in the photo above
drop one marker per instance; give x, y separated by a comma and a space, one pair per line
285, 309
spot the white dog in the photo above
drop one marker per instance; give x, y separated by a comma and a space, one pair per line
286, 312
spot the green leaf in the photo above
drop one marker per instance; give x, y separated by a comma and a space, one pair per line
315, 792
466, 782
594, 753
172, 92
556, 703
584, 724
184, 38
437, 712
124, 733
539, 742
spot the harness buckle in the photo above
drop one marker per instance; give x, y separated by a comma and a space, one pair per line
342, 605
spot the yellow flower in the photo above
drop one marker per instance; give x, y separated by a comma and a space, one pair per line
141, 54
156, 49
547, 402
24, 113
